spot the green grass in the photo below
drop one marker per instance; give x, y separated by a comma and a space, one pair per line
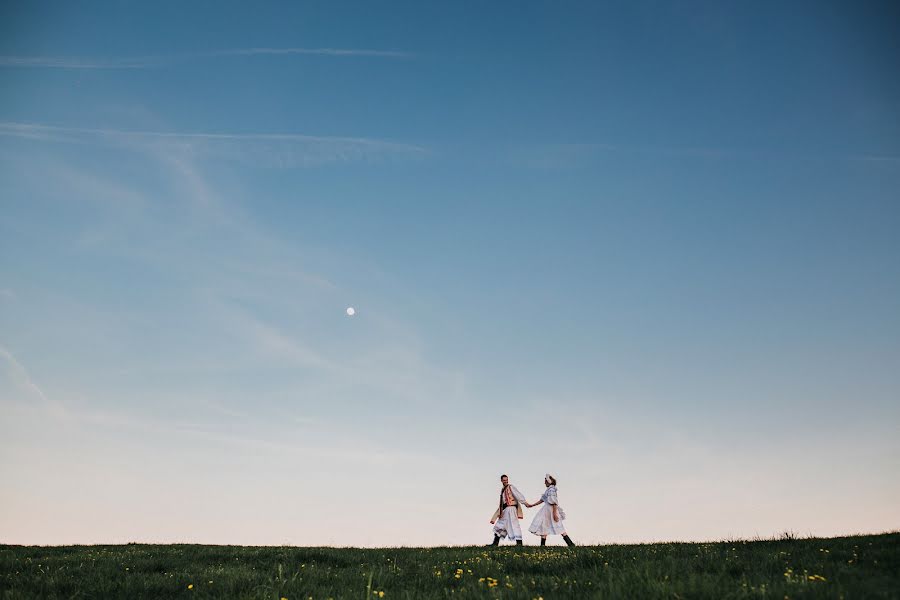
850, 567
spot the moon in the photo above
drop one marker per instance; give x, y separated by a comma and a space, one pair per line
351, 311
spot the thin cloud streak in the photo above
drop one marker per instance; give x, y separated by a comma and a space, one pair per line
350, 450
312, 51
149, 62
74, 62
21, 376
36, 129
22, 379
283, 150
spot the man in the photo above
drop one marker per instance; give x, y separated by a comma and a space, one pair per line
508, 514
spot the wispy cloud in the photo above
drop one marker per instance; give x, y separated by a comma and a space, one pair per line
22, 380
147, 62
313, 51
21, 376
74, 62
256, 293
265, 149
276, 344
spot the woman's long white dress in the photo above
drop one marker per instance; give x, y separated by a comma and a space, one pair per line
543, 523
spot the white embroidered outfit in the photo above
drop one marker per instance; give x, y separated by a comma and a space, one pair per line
543, 523
508, 522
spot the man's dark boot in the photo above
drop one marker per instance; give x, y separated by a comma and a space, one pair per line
496, 541
543, 541
569, 541
518, 542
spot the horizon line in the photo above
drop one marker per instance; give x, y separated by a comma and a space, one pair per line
786, 536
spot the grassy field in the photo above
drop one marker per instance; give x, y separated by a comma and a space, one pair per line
850, 567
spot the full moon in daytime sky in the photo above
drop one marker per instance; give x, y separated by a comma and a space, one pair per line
351, 311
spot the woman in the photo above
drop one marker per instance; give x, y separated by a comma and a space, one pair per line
549, 519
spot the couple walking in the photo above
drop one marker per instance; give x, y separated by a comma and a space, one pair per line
549, 519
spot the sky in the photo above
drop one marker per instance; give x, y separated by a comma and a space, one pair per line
648, 247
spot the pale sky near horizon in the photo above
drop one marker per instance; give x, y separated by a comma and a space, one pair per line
651, 247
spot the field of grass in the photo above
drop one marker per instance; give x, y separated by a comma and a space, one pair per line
850, 567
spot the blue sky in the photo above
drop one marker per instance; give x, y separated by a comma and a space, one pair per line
650, 247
